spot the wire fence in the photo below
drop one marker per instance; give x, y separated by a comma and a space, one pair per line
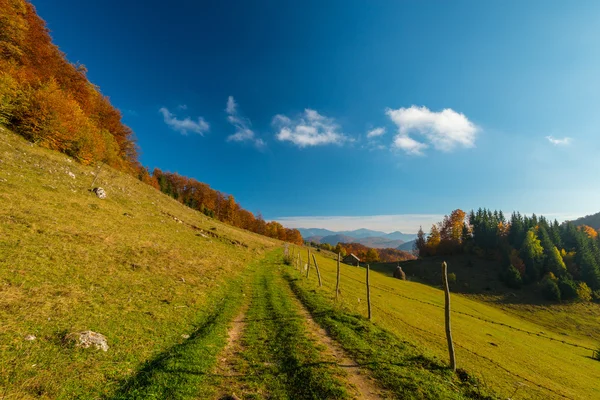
391, 291
489, 321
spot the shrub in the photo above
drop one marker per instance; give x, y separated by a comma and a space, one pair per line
550, 290
568, 289
452, 277
596, 295
512, 277
596, 355
584, 293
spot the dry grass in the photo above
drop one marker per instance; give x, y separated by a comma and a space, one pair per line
121, 266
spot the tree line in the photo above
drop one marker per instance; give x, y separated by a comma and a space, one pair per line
50, 102
564, 259
215, 204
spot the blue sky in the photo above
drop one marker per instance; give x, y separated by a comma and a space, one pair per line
468, 104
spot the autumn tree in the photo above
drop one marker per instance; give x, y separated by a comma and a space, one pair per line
433, 241
588, 230
451, 232
340, 249
372, 256
531, 253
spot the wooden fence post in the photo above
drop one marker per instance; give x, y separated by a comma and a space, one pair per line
368, 293
448, 326
308, 263
298, 260
337, 285
317, 268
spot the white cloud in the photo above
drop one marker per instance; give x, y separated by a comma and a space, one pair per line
560, 142
231, 105
185, 125
409, 145
243, 131
308, 129
375, 132
444, 130
182, 107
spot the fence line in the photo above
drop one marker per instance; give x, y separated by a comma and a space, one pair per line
540, 335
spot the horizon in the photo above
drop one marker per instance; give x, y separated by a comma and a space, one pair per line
380, 117
404, 223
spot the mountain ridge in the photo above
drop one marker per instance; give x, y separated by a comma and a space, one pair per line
357, 235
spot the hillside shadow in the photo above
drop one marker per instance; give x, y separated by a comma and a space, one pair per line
474, 276
145, 383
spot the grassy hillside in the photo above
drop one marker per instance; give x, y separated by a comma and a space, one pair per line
513, 356
138, 267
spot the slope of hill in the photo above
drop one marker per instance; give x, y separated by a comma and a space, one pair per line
514, 356
367, 237
408, 246
335, 239
589, 220
405, 237
379, 243
137, 267
50, 102
309, 232
161, 282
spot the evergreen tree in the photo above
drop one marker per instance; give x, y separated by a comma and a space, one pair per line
584, 257
516, 233
421, 244
555, 234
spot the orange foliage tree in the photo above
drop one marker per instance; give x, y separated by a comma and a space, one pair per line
50, 101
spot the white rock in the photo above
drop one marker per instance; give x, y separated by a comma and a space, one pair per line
100, 193
185, 336
87, 339
72, 175
30, 338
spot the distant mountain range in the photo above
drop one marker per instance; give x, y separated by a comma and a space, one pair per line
367, 237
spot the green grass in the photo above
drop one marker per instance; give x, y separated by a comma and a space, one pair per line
398, 365
184, 371
121, 266
504, 359
279, 359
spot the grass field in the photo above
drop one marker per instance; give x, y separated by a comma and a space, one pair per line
122, 267
165, 285
278, 358
509, 361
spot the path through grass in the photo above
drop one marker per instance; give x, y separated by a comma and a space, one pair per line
280, 360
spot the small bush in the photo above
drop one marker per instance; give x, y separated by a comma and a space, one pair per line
550, 290
596, 355
451, 277
512, 277
596, 295
568, 289
584, 293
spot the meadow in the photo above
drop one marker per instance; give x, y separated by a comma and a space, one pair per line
165, 283
508, 354
137, 267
